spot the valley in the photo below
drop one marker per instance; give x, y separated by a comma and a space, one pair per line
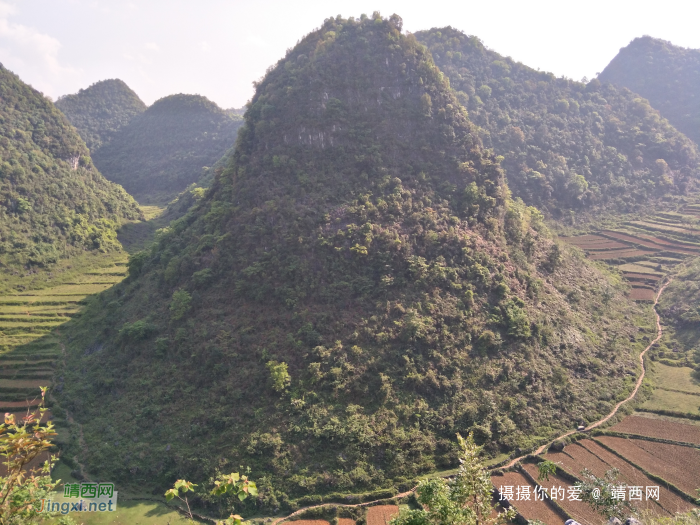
403, 238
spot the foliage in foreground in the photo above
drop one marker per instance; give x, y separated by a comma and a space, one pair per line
465, 500
603, 494
233, 485
23, 487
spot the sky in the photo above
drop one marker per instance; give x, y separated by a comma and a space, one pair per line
217, 48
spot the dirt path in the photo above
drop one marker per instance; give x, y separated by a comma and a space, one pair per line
659, 333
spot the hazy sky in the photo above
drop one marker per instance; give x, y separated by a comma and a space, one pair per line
217, 48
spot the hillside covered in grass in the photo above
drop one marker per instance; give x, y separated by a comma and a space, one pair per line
567, 146
356, 287
168, 147
667, 75
98, 111
53, 201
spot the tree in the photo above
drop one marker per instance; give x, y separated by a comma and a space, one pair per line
279, 375
600, 493
180, 304
23, 488
232, 484
465, 500
546, 469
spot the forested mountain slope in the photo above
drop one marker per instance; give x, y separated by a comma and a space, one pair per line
356, 287
52, 199
164, 150
99, 111
667, 75
568, 146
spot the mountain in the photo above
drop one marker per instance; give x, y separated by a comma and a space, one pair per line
355, 287
99, 111
667, 75
53, 201
567, 146
168, 147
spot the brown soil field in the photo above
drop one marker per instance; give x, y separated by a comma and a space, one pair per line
581, 511
675, 463
345, 521
612, 254
642, 294
669, 501
530, 509
312, 522
381, 514
19, 404
645, 276
650, 241
659, 428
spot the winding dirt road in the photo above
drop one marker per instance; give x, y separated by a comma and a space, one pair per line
659, 333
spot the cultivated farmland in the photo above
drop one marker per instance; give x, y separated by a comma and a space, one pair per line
531, 509
381, 514
677, 464
659, 428
645, 250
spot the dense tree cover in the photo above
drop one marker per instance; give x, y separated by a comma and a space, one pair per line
52, 199
355, 287
99, 111
679, 307
667, 75
567, 145
168, 147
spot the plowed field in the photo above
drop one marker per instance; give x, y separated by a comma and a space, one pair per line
590, 455
642, 294
675, 463
659, 428
530, 509
581, 511
617, 254
381, 514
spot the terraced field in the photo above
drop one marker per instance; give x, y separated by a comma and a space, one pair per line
645, 250
30, 317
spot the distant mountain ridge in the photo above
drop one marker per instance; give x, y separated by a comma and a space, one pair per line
355, 287
162, 151
53, 201
100, 110
567, 146
667, 75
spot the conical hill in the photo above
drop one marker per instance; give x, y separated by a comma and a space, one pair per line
100, 110
356, 287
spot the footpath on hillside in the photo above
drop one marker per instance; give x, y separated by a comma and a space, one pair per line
540, 450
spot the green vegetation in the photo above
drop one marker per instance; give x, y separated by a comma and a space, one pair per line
99, 111
567, 146
53, 202
26, 480
464, 500
362, 237
667, 75
171, 145
680, 311
600, 494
